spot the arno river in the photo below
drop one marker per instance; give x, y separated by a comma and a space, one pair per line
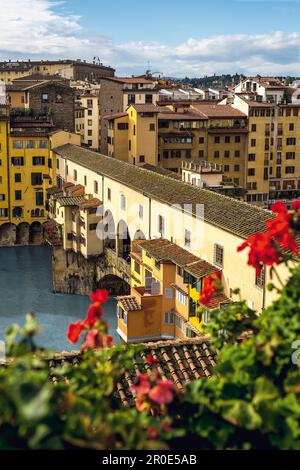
25, 286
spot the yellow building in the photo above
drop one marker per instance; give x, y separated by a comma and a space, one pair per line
272, 168
166, 281
169, 135
27, 168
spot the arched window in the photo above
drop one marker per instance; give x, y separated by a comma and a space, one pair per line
123, 202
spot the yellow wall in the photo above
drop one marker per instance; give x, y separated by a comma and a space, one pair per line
4, 204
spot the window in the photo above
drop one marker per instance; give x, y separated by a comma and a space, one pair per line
57, 164
137, 267
90, 122
216, 154
290, 155
237, 153
227, 153
49, 163
169, 318
93, 227
161, 225
45, 98
129, 144
149, 99
253, 142
17, 144
201, 140
122, 126
165, 154
251, 172
219, 255
2, 197
30, 144
109, 194
90, 104
291, 127
187, 238
43, 144
227, 139
151, 127
122, 202
142, 158
75, 175
290, 170
3, 212
266, 174
237, 139
217, 140
38, 161
36, 179
39, 198
226, 168
251, 157
236, 167
141, 212
260, 279
85, 180
291, 141
96, 187
18, 195
18, 178
253, 127
90, 133
182, 298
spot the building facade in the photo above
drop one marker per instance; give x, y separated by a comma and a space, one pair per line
26, 168
170, 248
69, 69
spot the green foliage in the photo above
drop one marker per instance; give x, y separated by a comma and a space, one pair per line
252, 401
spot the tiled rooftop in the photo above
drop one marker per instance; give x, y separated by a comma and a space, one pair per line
129, 303
179, 361
69, 201
164, 250
229, 214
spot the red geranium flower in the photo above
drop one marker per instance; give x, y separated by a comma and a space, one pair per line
94, 314
151, 360
162, 392
74, 331
100, 296
296, 205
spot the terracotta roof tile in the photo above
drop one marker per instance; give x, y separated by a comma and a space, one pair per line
129, 303
69, 200
89, 203
229, 214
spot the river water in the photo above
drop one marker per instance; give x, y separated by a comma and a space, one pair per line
25, 286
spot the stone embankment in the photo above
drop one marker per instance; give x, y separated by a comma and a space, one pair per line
74, 274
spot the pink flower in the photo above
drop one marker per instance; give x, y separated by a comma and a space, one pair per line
162, 392
93, 339
74, 331
142, 385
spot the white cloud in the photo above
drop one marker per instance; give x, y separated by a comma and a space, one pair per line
42, 29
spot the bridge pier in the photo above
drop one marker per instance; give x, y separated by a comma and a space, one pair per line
74, 274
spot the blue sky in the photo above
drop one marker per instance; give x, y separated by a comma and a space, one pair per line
171, 20
175, 37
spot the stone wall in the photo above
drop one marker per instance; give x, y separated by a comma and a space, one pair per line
74, 274
60, 103
110, 101
23, 234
